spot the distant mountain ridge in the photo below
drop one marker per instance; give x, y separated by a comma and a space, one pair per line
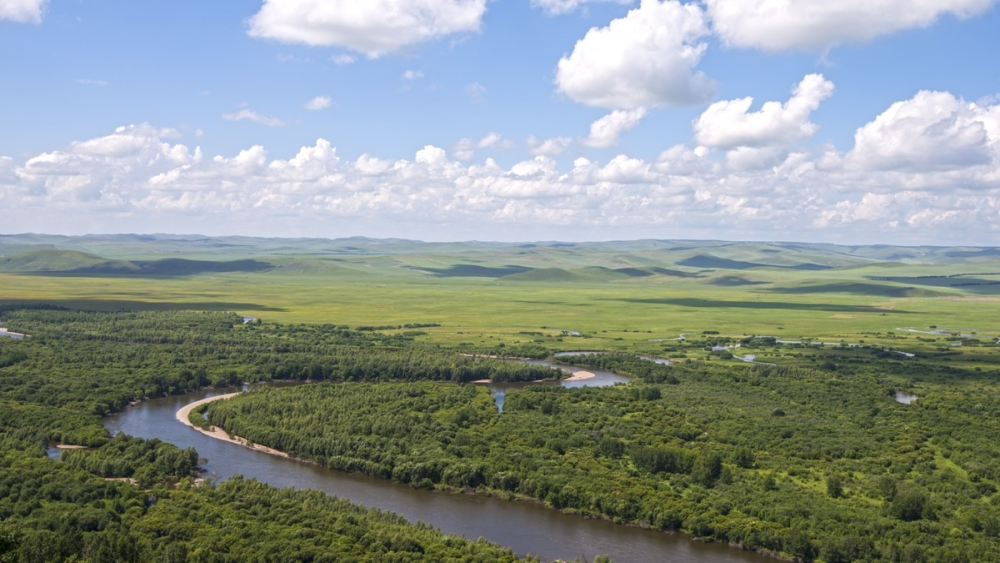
141, 254
75, 263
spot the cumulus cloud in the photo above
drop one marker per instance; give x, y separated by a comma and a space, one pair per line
730, 123
548, 147
751, 158
23, 11
412, 75
139, 178
772, 25
679, 160
644, 59
557, 7
605, 131
372, 27
250, 115
933, 131
318, 103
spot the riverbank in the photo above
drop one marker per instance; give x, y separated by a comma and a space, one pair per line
184, 414
616, 539
575, 376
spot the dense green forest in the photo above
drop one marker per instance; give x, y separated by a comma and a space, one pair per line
52, 511
77, 366
801, 462
815, 462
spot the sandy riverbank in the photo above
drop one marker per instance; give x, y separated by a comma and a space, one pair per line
577, 376
183, 416
580, 375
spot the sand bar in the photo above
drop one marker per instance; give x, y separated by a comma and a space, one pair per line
184, 412
580, 375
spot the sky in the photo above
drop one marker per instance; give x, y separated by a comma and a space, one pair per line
852, 122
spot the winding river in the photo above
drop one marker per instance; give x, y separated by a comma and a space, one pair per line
526, 527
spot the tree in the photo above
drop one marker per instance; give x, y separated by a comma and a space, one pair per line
834, 486
10, 540
798, 544
909, 504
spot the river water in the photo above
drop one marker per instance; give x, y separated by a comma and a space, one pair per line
601, 378
525, 527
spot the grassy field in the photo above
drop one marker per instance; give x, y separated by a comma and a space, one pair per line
618, 297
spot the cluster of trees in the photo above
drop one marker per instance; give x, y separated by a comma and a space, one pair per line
148, 462
80, 365
102, 361
796, 461
52, 511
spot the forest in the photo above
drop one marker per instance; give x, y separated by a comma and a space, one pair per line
129, 499
814, 461
773, 459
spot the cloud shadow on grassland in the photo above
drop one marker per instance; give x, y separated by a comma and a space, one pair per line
714, 304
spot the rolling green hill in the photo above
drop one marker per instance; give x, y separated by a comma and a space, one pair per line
74, 263
50, 261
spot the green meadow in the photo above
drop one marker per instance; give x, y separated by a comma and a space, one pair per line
629, 295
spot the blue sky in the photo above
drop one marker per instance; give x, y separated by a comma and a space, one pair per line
506, 120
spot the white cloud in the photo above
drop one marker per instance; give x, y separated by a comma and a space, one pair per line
476, 93
92, 82
250, 115
730, 123
751, 158
774, 25
138, 178
679, 160
933, 131
431, 156
548, 147
101, 173
644, 59
372, 27
342, 59
318, 103
557, 7
605, 131
492, 140
625, 170
23, 11
465, 149
412, 75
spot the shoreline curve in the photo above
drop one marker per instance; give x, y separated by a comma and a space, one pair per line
184, 412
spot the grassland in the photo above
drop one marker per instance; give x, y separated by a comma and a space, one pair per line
629, 296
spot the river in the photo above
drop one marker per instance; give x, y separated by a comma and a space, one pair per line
526, 527
601, 378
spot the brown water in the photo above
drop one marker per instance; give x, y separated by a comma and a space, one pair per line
523, 526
